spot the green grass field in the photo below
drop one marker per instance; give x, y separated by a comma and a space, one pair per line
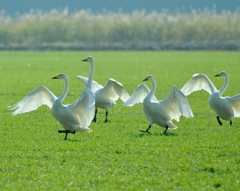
199, 155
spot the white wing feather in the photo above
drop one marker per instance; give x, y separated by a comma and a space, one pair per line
198, 82
84, 107
38, 97
234, 102
114, 90
95, 86
138, 95
176, 104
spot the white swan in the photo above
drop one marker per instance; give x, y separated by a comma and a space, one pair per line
160, 112
226, 108
105, 97
73, 117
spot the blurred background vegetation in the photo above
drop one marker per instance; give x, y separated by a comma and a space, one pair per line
138, 30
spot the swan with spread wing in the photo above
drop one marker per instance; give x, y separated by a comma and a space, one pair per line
226, 108
105, 96
160, 112
75, 117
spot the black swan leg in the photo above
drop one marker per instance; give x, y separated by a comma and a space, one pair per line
219, 122
95, 116
66, 133
106, 120
166, 129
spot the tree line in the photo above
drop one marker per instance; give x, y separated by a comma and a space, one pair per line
84, 30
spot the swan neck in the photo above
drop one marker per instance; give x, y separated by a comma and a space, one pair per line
64, 94
225, 85
90, 78
152, 92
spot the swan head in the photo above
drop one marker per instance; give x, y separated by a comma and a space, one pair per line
60, 76
149, 78
88, 59
221, 74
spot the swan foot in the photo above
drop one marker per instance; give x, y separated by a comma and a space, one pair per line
146, 131
66, 131
165, 130
230, 123
219, 122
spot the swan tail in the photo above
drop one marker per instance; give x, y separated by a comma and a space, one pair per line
84, 129
171, 126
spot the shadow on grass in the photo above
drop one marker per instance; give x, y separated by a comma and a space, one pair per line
142, 134
168, 134
73, 140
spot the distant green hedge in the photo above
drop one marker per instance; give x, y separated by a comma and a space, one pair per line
204, 29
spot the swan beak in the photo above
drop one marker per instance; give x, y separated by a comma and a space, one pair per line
55, 77
218, 75
85, 60
146, 79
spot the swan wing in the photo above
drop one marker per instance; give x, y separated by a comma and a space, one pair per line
114, 90
95, 85
36, 98
234, 102
176, 104
138, 95
84, 107
198, 82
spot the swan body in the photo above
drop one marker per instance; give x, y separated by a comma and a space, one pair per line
226, 108
160, 112
105, 96
75, 117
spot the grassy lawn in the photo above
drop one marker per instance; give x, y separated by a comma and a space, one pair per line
199, 155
